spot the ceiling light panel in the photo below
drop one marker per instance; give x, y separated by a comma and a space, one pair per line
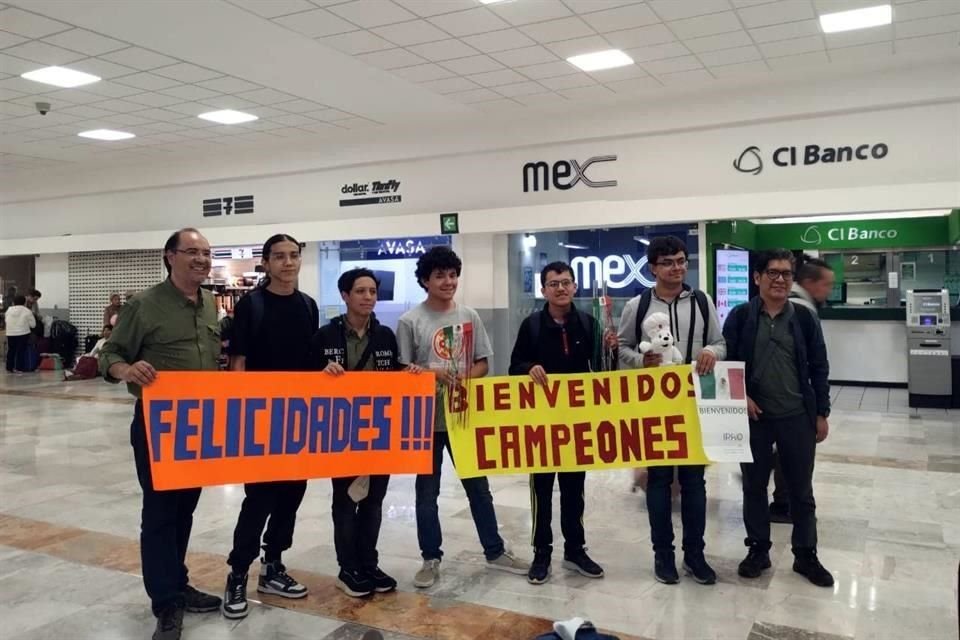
228, 116
609, 59
106, 134
856, 19
61, 77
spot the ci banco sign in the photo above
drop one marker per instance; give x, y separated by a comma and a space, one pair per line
813, 235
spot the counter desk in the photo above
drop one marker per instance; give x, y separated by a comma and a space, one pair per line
869, 344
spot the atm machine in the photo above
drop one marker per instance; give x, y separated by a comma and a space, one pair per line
928, 348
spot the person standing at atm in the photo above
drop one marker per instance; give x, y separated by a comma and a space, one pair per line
272, 329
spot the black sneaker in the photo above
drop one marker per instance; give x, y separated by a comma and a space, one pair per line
806, 564
665, 567
235, 597
695, 565
756, 562
580, 562
355, 584
199, 602
540, 567
169, 624
382, 583
275, 581
780, 513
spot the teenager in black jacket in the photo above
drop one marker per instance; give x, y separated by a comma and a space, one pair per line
558, 339
788, 400
356, 341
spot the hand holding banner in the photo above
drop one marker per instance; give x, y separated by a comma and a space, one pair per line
208, 428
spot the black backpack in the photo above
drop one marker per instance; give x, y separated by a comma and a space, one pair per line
702, 304
63, 341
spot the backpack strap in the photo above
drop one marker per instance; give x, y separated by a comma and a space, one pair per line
701, 298
642, 307
535, 321
257, 305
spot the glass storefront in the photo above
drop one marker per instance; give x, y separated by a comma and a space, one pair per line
614, 257
393, 260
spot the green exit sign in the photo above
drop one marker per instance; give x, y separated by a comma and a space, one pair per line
449, 223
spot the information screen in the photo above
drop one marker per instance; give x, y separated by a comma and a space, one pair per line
733, 280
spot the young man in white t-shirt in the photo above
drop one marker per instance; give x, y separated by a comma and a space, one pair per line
450, 340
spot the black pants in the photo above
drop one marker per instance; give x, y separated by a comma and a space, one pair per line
356, 525
796, 440
571, 510
165, 524
277, 501
16, 350
780, 495
693, 507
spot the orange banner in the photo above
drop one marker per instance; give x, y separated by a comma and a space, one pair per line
208, 428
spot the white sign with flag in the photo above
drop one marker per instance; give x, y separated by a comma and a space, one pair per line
722, 406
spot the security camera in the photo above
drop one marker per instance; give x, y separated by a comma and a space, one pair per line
43, 108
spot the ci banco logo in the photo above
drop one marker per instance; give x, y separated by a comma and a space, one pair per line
811, 236
749, 161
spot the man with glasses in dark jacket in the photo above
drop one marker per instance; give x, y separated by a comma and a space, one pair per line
788, 400
558, 339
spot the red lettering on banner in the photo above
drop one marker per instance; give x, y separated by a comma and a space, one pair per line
670, 384
582, 442
501, 396
552, 390
607, 441
624, 389
510, 445
680, 437
481, 434
601, 390
561, 438
692, 391
527, 395
481, 397
630, 441
645, 387
575, 389
649, 437
536, 439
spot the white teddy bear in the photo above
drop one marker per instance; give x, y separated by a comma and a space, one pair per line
657, 328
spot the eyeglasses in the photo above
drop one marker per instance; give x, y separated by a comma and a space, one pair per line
556, 284
679, 262
775, 274
194, 253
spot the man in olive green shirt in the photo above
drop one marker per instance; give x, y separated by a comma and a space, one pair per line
169, 327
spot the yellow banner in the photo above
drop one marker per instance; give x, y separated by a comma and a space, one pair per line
639, 418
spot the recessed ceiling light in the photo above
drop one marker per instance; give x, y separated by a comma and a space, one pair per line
856, 19
61, 77
494, 1
609, 59
228, 116
106, 134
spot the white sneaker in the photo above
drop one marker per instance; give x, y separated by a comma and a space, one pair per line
428, 575
509, 563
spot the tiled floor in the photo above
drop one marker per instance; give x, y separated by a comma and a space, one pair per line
888, 496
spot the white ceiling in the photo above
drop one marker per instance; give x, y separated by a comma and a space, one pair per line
319, 68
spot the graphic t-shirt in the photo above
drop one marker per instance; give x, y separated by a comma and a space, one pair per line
442, 341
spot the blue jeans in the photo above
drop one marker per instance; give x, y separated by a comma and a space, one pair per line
693, 507
428, 515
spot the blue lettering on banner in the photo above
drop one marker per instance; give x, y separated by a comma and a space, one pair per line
157, 425
185, 429
323, 424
